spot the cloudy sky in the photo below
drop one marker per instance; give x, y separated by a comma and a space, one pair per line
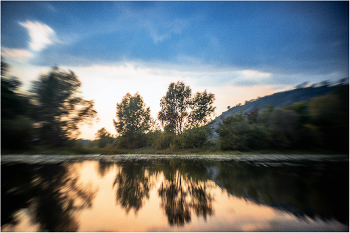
235, 50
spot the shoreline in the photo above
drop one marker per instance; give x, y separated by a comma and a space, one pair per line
122, 157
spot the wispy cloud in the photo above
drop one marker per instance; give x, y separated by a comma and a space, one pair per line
166, 29
40, 34
20, 55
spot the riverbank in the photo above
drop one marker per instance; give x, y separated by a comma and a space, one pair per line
45, 150
123, 157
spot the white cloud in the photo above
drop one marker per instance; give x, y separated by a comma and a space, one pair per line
40, 34
20, 55
248, 77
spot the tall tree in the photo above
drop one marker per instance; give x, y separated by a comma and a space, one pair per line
60, 108
133, 118
174, 106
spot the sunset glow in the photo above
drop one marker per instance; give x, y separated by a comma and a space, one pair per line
235, 50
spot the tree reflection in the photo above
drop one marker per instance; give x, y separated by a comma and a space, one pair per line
54, 196
182, 193
201, 200
133, 186
313, 190
104, 167
173, 200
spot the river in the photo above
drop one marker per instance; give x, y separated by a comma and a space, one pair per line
175, 193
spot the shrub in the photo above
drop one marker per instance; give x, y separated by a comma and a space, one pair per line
16, 133
194, 138
137, 140
164, 140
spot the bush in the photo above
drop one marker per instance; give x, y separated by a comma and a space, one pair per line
138, 140
194, 138
164, 140
235, 133
283, 125
16, 133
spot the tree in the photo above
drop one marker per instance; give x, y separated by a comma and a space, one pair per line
60, 109
202, 108
179, 110
103, 137
16, 124
174, 106
134, 119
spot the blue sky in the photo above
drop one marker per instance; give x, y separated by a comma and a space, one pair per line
236, 50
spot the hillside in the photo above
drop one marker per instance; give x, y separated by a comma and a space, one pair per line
279, 99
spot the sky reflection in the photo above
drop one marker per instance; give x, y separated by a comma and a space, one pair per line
169, 195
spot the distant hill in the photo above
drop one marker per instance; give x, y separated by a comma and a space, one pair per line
84, 141
279, 99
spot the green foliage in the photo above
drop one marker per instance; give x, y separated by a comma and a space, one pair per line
239, 133
321, 123
233, 134
59, 108
192, 138
164, 140
136, 140
153, 136
134, 119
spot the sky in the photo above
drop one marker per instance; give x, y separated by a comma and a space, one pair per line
236, 50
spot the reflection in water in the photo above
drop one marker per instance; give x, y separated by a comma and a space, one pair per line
133, 186
182, 193
314, 190
90, 196
51, 194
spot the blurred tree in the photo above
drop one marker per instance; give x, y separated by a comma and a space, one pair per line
59, 108
16, 125
103, 137
201, 108
134, 119
174, 106
330, 116
283, 125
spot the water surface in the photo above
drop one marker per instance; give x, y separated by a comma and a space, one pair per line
175, 195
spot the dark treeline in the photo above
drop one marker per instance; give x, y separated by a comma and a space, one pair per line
320, 123
51, 112
49, 116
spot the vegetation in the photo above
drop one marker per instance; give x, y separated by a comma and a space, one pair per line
16, 123
47, 121
59, 109
320, 124
179, 111
134, 119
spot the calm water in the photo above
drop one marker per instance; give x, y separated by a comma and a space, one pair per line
175, 195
